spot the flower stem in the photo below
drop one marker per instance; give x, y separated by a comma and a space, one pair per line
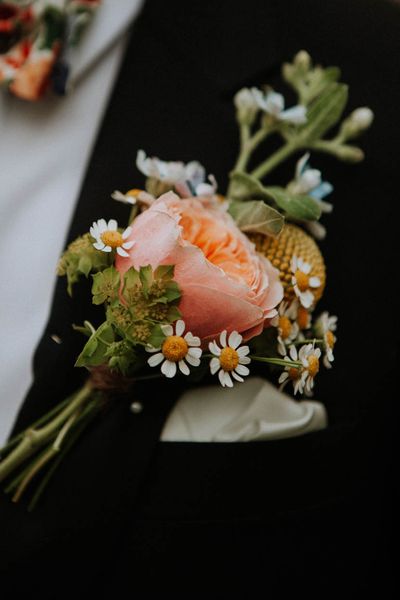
277, 361
14, 440
249, 144
35, 438
88, 414
47, 456
275, 159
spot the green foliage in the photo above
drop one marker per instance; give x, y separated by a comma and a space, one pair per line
296, 206
307, 80
255, 215
106, 285
137, 304
251, 215
323, 113
81, 258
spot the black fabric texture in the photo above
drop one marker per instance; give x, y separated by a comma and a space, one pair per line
129, 515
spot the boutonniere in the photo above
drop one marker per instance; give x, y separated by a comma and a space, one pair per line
203, 284
34, 36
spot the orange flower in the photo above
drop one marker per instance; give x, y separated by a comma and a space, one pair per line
225, 283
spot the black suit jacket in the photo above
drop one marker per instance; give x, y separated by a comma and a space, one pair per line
307, 514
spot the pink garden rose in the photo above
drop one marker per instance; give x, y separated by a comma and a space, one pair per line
225, 283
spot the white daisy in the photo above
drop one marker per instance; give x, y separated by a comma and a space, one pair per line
293, 374
176, 349
309, 356
229, 359
302, 281
108, 237
288, 328
324, 327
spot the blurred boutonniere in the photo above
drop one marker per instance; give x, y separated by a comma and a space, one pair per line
202, 284
34, 38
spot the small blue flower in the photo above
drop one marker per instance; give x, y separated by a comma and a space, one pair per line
309, 181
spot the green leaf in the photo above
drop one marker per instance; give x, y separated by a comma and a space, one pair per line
255, 215
172, 291
105, 285
146, 277
297, 206
324, 112
243, 186
132, 278
173, 314
94, 351
157, 337
164, 272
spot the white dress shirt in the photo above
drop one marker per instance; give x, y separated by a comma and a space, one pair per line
44, 151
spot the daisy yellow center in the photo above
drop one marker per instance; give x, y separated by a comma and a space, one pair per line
229, 359
330, 339
302, 317
134, 192
313, 365
294, 373
112, 238
174, 348
303, 280
285, 327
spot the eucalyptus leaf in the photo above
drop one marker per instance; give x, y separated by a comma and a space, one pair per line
255, 215
324, 112
298, 206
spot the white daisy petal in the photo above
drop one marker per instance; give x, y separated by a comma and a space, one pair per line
222, 338
243, 350
244, 360
214, 365
99, 245
315, 282
235, 339
192, 340
283, 376
156, 359
214, 349
306, 298
227, 379
237, 377
195, 352
122, 252
167, 330
127, 233
107, 249
293, 352
128, 245
179, 327
221, 377
184, 368
101, 225
112, 225
242, 370
192, 360
168, 368
150, 348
